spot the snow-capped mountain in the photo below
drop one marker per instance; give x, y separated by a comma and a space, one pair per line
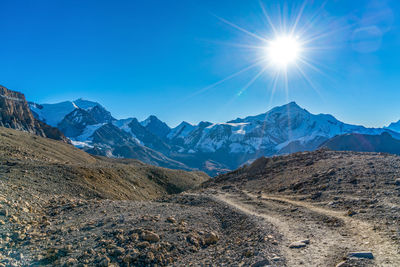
181, 131
53, 114
147, 138
156, 126
270, 132
207, 146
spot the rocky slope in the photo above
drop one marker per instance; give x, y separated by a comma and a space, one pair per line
340, 202
364, 143
62, 207
52, 167
16, 114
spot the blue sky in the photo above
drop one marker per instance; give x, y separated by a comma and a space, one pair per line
156, 57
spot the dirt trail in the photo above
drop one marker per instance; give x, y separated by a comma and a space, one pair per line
332, 234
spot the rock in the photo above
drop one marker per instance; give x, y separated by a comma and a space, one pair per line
150, 236
150, 256
143, 245
118, 251
397, 182
211, 238
276, 258
171, 219
342, 264
248, 253
261, 263
104, 262
361, 254
226, 187
134, 236
351, 213
193, 239
297, 244
2, 222
316, 195
70, 262
4, 212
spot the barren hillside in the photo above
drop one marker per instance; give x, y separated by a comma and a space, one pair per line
62, 207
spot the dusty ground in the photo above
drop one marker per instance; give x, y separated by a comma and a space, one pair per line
70, 209
341, 201
180, 230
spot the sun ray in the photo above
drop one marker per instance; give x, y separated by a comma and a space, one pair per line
308, 80
240, 28
268, 18
298, 18
253, 65
251, 81
287, 46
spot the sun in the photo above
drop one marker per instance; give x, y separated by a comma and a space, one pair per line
283, 51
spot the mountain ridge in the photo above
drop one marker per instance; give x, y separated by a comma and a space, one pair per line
283, 129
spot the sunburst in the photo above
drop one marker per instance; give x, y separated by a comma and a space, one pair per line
282, 52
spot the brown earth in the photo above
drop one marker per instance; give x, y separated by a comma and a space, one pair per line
62, 207
341, 201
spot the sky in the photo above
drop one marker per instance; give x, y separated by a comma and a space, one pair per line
193, 60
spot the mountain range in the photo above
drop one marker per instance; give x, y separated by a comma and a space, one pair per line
211, 147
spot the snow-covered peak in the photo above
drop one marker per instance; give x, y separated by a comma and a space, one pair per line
85, 104
52, 114
181, 131
156, 126
289, 109
150, 119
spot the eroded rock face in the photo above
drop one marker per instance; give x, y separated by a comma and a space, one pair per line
15, 114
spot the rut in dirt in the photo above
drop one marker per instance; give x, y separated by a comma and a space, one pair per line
332, 234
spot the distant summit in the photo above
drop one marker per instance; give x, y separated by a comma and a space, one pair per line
53, 114
156, 126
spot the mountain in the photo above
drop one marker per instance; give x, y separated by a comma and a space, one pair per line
53, 114
179, 133
364, 143
284, 129
156, 127
16, 114
146, 137
108, 140
92, 128
79, 121
212, 147
394, 126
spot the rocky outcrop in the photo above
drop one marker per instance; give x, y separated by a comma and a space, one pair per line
16, 114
